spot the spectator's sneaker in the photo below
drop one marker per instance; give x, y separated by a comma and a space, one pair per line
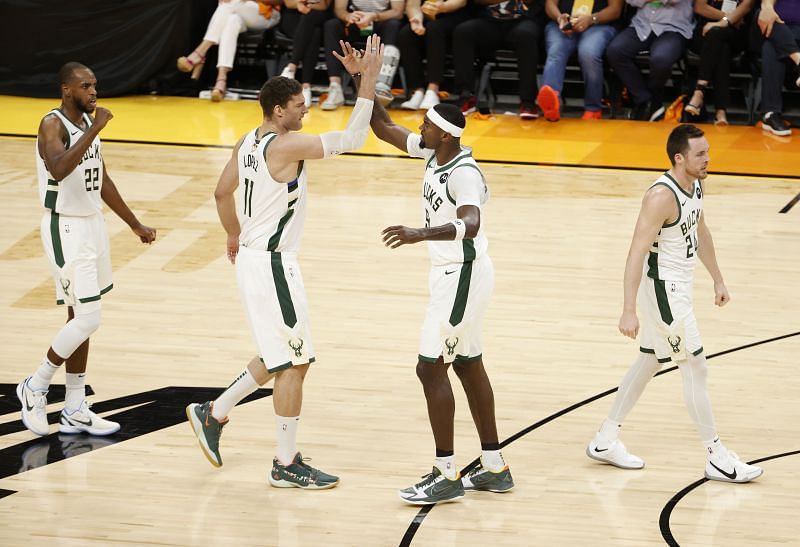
433, 488
207, 429
307, 96
34, 408
414, 102
287, 73
299, 474
384, 94
592, 115
335, 98
468, 104
655, 111
84, 420
430, 100
772, 122
550, 103
528, 112
481, 478
724, 465
615, 454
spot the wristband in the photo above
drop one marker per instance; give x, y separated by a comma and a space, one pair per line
461, 229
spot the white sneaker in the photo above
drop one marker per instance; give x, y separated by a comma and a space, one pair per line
335, 98
384, 94
414, 102
431, 99
286, 73
34, 408
615, 454
307, 96
726, 466
84, 420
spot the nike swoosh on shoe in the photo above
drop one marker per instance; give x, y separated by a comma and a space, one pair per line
731, 476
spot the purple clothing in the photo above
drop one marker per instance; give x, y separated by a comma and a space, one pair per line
789, 11
660, 16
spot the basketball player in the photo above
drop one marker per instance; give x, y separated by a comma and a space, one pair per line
267, 166
72, 182
670, 234
461, 282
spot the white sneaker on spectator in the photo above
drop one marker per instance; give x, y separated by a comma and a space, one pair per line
335, 98
614, 453
287, 72
431, 99
307, 96
84, 420
724, 465
384, 94
414, 102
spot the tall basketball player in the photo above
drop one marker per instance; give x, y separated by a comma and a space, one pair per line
670, 234
73, 183
267, 166
461, 284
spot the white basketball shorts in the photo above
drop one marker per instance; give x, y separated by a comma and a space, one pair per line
274, 299
459, 296
668, 325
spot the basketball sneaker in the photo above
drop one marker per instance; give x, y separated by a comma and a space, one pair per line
615, 454
433, 488
481, 478
724, 465
84, 420
34, 408
207, 429
299, 474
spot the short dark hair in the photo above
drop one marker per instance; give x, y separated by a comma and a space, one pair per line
67, 71
678, 141
276, 92
451, 113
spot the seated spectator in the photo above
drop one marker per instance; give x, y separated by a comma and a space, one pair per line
302, 20
779, 22
230, 19
588, 27
718, 37
664, 27
355, 20
427, 36
514, 23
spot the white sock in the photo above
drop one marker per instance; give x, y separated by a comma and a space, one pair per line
695, 394
492, 460
447, 465
609, 433
632, 386
242, 386
287, 438
714, 447
76, 391
41, 379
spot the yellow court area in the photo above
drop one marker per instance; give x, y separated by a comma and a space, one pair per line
173, 327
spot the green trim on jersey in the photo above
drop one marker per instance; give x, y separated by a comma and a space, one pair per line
264, 136
452, 162
652, 265
55, 235
447, 190
677, 202
51, 196
282, 291
427, 359
276, 237
647, 350
663, 301
465, 360
468, 247
690, 196
89, 299
462, 293
430, 161
104, 291
665, 359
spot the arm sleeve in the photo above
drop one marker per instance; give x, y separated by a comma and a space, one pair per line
414, 149
353, 136
466, 186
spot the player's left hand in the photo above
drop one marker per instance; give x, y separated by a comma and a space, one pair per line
721, 296
146, 233
232, 248
394, 236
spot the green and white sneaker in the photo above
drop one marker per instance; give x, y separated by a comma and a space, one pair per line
481, 478
207, 429
433, 488
299, 474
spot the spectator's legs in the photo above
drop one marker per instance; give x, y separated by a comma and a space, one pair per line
524, 36
665, 51
467, 37
411, 46
333, 31
559, 48
621, 52
591, 47
307, 40
773, 71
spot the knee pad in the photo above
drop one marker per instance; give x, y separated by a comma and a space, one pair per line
88, 322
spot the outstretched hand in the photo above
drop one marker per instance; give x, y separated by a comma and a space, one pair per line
394, 236
367, 62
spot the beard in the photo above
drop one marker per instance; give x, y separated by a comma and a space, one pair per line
422, 142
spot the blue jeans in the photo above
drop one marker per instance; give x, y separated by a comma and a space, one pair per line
591, 45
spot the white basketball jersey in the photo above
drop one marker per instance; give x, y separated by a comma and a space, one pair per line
439, 206
271, 213
77, 194
674, 252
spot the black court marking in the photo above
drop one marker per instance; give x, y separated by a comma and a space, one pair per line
152, 411
792, 203
663, 520
481, 160
420, 517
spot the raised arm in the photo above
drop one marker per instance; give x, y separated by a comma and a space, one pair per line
658, 206
111, 196
59, 159
226, 203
